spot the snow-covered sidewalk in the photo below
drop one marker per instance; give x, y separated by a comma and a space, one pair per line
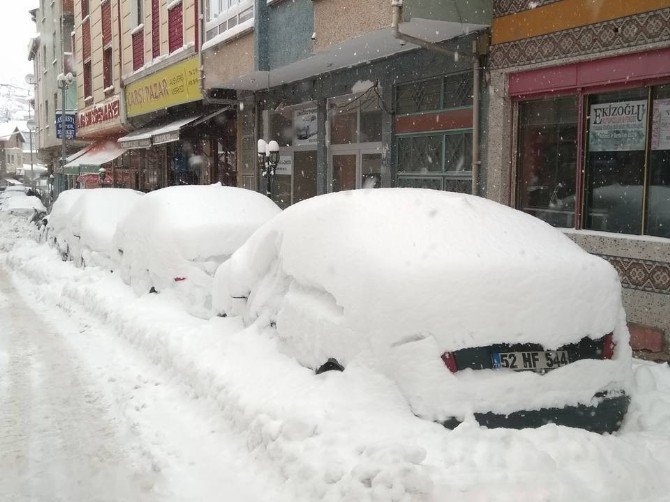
158, 405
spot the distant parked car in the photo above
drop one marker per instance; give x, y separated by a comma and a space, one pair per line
23, 205
472, 307
83, 222
175, 238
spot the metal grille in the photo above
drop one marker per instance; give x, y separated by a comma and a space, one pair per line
417, 154
419, 96
458, 90
458, 152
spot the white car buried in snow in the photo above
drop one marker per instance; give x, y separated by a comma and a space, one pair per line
473, 308
83, 222
176, 237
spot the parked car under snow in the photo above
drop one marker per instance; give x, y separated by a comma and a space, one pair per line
24, 206
473, 308
176, 237
82, 223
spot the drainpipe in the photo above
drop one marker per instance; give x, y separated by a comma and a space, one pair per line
395, 25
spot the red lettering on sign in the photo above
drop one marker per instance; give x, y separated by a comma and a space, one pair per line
98, 114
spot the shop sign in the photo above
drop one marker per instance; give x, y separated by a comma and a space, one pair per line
285, 166
660, 129
166, 137
175, 85
306, 126
618, 127
99, 114
70, 126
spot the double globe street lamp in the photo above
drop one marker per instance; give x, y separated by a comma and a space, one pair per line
268, 158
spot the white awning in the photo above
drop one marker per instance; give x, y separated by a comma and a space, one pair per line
100, 153
137, 139
170, 132
156, 135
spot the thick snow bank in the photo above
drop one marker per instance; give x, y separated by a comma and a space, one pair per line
177, 236
399, 276
85, 221
344, 436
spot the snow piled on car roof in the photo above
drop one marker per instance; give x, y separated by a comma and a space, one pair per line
397, 263
177, 236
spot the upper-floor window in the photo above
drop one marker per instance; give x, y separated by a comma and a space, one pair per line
226, 15
138, 12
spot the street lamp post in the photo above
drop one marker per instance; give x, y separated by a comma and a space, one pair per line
64, 81
268, 158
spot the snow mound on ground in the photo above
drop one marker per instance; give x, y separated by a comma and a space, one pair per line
399, 276
177, 236
350, 436
86, 222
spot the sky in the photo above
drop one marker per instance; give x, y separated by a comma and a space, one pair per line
16, 29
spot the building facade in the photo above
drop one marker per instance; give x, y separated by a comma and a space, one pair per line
96, 43
350, 104
177, 138
11, 151
51, 53
580, 136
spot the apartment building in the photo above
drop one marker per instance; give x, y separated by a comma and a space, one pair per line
96, 44
11, 151
351, 102
51, 53
177, 138
580, 135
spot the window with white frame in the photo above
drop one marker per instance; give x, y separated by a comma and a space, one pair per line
227, 15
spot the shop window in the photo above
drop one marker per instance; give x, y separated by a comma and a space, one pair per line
344, 172
228, 15
175, 28
658, 204
547, 157
356, 119
304, 175
616, 144
371, 167
419, 97
343, 127
458, 90
281, 127
420, 154
443, 93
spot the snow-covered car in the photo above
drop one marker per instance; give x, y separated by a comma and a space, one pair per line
25, 206
176, 237
83, 222
473, 308
11, 192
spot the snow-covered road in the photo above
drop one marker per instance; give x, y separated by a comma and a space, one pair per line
85, 418
107, 395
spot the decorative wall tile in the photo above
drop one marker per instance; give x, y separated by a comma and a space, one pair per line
506, 7
643, 275
631, 31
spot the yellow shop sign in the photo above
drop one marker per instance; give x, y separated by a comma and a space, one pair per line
175, 85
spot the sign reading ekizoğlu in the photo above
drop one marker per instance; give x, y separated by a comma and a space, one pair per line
618, 127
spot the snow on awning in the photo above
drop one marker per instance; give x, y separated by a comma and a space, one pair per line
156, 135
100, 153
170, 132
137, 139
12, 181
